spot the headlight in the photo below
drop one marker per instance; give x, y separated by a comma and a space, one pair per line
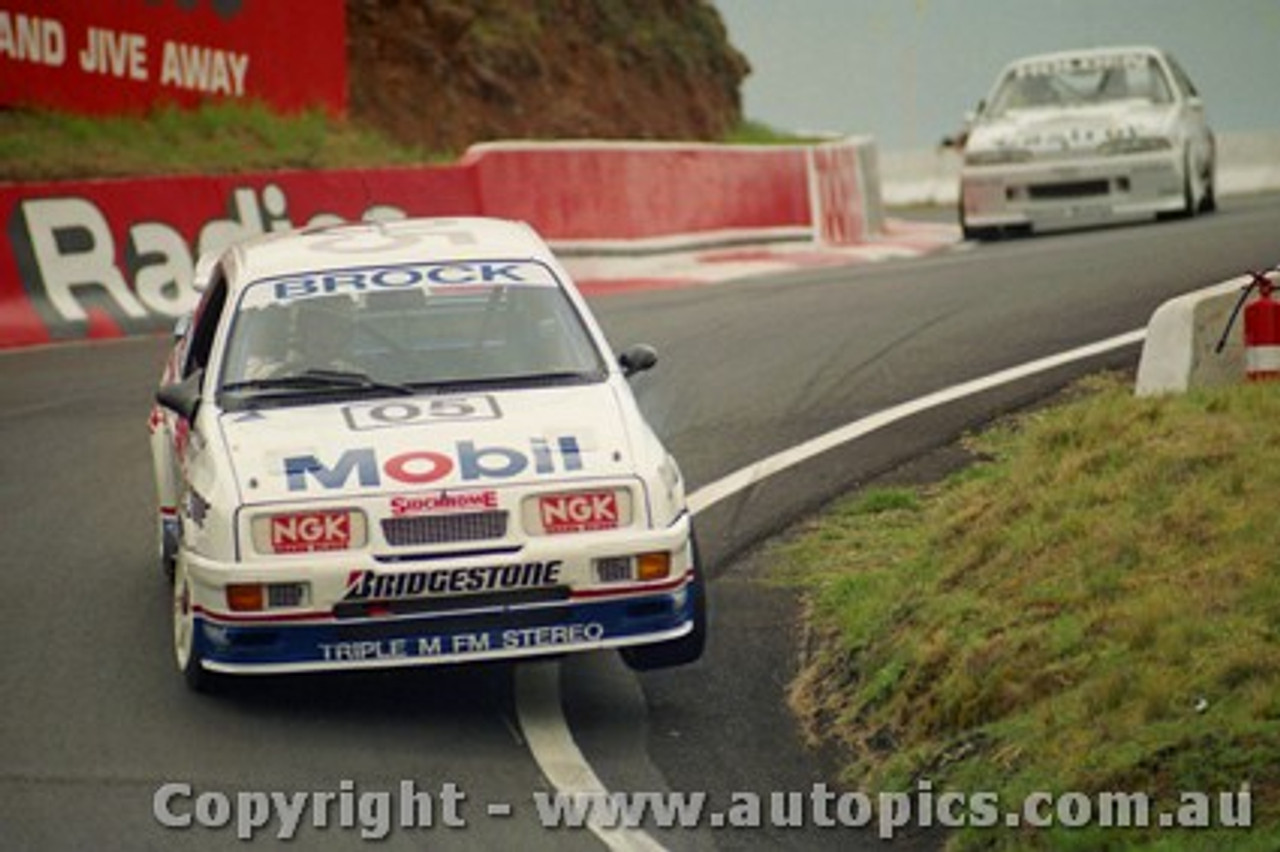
310, 532
255, 597
996, 156
577, 511
642, 567
1135, 145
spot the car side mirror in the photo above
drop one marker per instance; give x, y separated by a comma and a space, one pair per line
182, 398
637, 359
203, 273
958, 139
182, 326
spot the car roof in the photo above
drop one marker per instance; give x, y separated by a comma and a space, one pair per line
400, 241
1085, 53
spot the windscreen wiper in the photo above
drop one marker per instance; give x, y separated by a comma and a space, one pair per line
517, 380
319, 379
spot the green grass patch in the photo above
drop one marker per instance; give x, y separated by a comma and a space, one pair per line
751, 132
224, 138
1094, 607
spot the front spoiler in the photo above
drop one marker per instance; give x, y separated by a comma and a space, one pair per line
236, 647
1140, 186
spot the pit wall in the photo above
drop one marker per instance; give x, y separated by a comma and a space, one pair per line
107, 258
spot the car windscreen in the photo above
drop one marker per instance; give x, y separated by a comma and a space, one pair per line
413, 326
1081, 81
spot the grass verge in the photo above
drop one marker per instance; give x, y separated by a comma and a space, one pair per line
750, 132
1094, 606
219, 139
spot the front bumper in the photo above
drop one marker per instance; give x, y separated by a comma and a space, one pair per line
1072, 193
333, 632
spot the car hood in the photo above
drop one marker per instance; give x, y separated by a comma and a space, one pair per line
371, 447
1076, 129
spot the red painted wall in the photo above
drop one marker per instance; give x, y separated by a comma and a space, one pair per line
633, 190
104, 258
120, 56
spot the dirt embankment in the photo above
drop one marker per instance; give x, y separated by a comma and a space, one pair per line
442, 74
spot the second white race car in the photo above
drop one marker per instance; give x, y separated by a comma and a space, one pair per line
1086, 137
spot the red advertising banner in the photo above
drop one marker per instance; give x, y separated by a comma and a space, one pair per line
86, 259
121, 56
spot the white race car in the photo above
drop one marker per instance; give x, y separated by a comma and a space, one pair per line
1083, 138
409, 443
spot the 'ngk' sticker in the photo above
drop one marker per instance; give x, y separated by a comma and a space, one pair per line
580, 512
310, 531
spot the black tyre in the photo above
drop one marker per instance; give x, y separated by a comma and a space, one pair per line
1189, 208
973, 234
186, 647
1188, 199
168, 565
686, 649
980, 235
167, 548
1209, 202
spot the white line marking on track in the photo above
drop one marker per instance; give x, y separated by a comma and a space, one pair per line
745, 477
538, 685
557, 755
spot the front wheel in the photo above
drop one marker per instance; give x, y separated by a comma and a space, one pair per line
977, 235
686, 649
966, 231
167, 544
1189, 207
980, 235
1209, 200
186, 646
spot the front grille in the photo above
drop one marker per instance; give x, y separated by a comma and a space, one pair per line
444, 529
1074, 189
451, 603
514, 619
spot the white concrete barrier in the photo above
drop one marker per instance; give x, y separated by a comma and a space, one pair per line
1247, 163
920, 177
1179, 352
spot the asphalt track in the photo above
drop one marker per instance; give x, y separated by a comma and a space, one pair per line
96, 719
